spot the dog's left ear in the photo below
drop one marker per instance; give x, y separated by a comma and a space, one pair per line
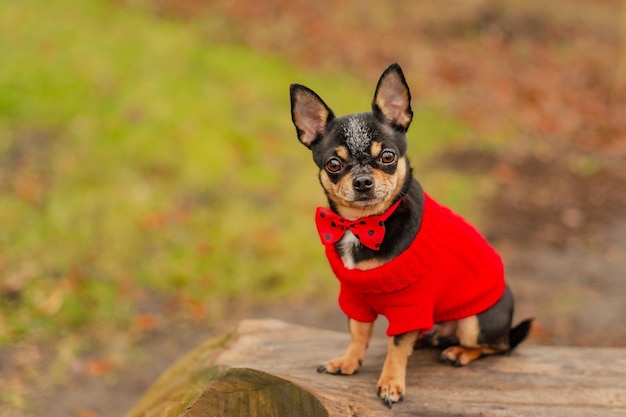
392, 100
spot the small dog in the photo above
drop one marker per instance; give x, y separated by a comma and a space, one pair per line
396, 251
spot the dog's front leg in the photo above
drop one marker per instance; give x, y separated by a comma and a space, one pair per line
360, 335
392, 381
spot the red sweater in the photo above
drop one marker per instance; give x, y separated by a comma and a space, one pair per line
449, 272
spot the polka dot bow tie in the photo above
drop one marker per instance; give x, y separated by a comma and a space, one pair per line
369, 230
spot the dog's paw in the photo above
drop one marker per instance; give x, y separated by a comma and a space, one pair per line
390, 390
344, 365
459, 355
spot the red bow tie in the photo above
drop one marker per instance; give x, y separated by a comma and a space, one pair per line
369, 230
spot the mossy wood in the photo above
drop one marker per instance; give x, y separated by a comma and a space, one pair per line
267, 368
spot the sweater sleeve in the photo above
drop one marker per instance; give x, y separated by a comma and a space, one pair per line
409, 318
355, 307
410, 309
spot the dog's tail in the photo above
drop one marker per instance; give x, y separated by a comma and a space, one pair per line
518, 333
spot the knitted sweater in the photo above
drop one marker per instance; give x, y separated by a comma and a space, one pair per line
448, 273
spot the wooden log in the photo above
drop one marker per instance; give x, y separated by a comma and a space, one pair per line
268, 368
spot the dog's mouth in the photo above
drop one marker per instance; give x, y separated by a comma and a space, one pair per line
361, 203
365, 200
363, 206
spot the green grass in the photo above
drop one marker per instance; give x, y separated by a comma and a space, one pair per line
138, 156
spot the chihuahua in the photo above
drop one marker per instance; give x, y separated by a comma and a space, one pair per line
394, 250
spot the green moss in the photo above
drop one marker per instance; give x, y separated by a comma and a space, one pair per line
183, 383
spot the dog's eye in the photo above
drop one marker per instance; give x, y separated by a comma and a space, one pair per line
387, 157
334, 165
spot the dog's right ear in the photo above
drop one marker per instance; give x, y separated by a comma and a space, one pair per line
309, 114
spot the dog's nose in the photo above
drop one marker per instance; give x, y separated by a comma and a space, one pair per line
363, 183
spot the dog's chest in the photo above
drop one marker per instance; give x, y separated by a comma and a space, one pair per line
347, 247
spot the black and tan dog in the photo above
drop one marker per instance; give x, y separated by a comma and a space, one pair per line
395, 251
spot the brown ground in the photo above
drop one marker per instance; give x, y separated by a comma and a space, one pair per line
547, 76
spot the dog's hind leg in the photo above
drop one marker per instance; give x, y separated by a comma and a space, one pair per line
484, 334
469, 348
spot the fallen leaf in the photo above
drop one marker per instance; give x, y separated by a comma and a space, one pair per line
99, 367
146, 322
85, 412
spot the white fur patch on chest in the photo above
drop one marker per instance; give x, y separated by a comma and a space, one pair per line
348, 244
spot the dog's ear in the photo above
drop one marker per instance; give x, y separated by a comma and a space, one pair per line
392, 99
309, 113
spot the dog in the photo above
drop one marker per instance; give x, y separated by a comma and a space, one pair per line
395, 250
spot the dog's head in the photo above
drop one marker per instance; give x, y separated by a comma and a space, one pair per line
362, 157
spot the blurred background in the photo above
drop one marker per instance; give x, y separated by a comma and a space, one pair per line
153, 191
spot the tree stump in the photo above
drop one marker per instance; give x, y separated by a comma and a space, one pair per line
268, 368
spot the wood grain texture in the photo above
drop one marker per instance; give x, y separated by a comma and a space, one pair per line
533, 381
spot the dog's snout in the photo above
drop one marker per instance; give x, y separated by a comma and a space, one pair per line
363, 183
